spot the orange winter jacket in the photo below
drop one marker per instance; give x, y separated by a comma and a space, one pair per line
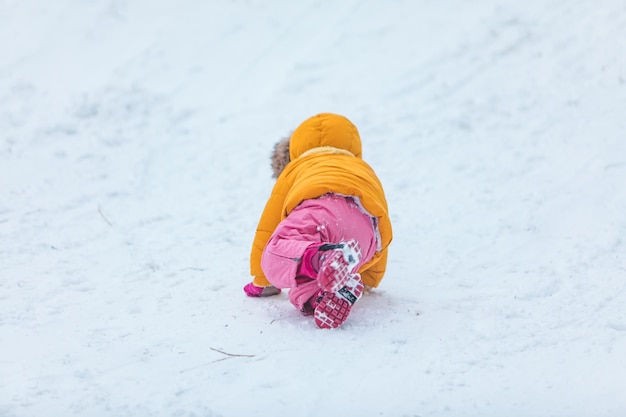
325, 157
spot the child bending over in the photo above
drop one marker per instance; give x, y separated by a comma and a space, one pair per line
325, 229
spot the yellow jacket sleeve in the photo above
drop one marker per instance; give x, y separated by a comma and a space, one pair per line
269, 220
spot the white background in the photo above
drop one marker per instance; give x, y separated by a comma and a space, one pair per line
134, 165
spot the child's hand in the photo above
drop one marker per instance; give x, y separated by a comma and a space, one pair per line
252, 290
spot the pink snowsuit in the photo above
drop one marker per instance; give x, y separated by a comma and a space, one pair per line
330, 218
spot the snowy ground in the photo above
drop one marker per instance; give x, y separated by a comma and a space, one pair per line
134, 143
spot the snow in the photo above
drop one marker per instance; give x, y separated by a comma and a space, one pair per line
134, 166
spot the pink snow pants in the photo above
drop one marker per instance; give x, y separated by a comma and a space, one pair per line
332, 219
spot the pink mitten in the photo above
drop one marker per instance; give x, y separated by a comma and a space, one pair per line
252, 290
310, 261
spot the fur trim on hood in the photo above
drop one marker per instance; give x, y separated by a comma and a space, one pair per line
280, 156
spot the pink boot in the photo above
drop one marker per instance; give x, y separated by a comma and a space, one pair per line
332, 309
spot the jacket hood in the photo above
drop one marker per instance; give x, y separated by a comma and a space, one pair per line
325, 130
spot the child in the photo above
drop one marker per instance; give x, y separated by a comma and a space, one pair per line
325, 229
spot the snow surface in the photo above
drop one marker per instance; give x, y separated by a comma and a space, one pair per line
134, 149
